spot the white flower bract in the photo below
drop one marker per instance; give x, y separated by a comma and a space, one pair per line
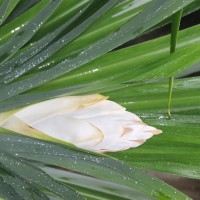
90, 122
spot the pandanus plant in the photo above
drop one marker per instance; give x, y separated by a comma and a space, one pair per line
76, 110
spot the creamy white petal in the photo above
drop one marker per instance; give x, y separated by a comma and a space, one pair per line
117, 145
139, 132
111, 129
136, 135
39, 111
69, 129
120, 132
101, 108
17, 125
129, 115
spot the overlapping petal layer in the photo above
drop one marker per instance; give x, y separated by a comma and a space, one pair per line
90, 122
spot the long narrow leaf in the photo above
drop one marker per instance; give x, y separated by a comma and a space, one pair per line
7, 192
20, 9
176, 150
27, 32
60, 16
93, 188
91, 164
37, 176
130, 30
23, 189
133, 62
127, 64
6, 8
50, 50
17, 61
10, 29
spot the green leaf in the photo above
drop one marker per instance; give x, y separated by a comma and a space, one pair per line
7, 192
60, 16
93, 188
16, 24
96, 165
22, 169
176, 19
108, 23
129, 31
18, 187
54, 47
176, 150
6, 8
21, 7
26, 99
124, 65
26, 33
134, 62
83, 65
37, 47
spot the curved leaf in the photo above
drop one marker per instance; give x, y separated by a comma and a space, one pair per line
62, 41
22, 36
6, 8
93, 188
176, 151
129, 31
7, 192
20, 59
126, 64
96, 165
22, 169
21, 188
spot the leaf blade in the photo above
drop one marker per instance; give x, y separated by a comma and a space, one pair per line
99, 48
26, 33
89, 163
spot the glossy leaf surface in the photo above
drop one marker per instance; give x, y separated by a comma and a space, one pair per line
38, 65
176, 151
129, 31
80, 161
